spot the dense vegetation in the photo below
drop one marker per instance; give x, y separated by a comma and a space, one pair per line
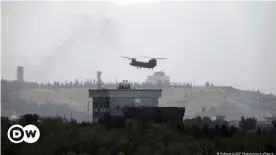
196, 136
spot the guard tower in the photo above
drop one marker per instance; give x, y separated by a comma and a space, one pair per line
111, 101
20, 73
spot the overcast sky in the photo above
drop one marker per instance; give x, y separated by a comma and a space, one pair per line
226, 43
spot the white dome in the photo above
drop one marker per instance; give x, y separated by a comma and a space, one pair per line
137, 102
159, 73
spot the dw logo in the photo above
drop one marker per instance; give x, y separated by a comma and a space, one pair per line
18, 134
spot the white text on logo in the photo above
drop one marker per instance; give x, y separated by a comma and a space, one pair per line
28, 134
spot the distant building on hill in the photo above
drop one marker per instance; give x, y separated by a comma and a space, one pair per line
159, 77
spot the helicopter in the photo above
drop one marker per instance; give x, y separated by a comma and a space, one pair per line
140, 64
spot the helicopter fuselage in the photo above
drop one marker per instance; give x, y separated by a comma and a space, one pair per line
140, 64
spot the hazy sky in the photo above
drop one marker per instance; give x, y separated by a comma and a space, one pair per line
227, 43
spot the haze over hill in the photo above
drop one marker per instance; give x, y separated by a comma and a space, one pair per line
203, 101
227, 43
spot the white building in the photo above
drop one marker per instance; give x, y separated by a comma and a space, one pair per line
111, 101
159, 77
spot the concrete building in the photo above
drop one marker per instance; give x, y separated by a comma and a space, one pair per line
159, 77
111, 101
173, 115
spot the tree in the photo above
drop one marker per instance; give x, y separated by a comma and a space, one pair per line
120, 153
76, 84
274, 124
248, 123
207, 84
29, 119
207, 121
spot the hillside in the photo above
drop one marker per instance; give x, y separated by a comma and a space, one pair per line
76, 98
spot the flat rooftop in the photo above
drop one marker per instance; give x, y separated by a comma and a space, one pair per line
125, 93
125, 89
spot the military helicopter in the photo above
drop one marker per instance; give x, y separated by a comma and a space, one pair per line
140, 64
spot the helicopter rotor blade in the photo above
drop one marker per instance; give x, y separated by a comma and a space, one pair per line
144, 57
151, 57
127, 57
159, 58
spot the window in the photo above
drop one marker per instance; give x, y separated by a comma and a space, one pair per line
95, 104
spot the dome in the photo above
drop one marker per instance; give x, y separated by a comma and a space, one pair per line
137, 103
159, 73
13, 117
